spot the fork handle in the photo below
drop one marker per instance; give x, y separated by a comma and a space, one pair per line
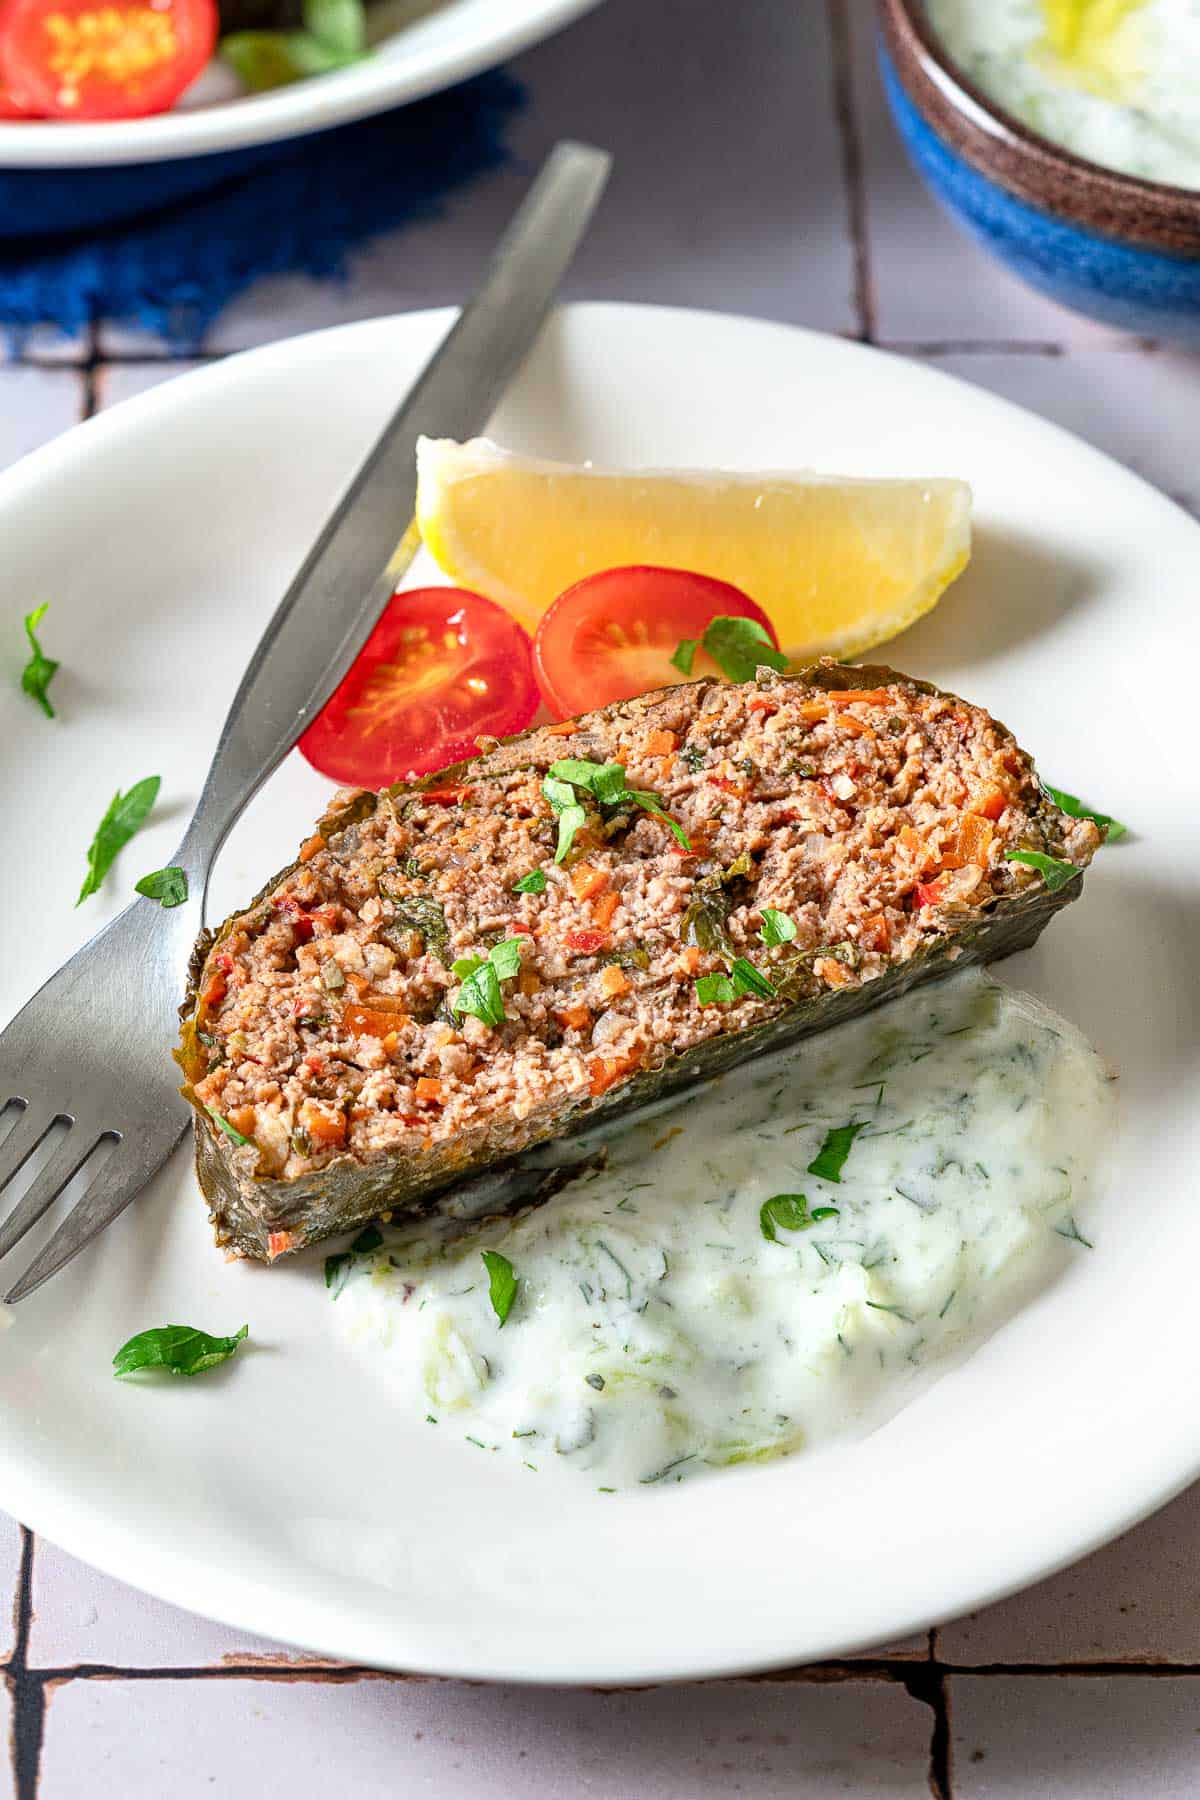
352, 570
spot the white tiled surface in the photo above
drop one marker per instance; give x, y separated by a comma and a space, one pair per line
1065, 1737
376, 1738
737, 135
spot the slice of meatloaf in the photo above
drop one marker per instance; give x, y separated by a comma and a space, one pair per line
768, 858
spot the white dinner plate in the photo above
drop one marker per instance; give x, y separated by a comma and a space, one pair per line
444, 41
286, 1493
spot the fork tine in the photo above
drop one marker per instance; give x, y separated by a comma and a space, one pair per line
46, 1186
109, 1194
22, 1140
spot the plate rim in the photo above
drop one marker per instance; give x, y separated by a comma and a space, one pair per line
175, 1575
370, 87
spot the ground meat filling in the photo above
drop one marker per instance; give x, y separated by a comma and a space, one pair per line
873, 819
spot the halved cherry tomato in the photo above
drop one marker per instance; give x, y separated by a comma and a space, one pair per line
441, 668
613, 635
103, 59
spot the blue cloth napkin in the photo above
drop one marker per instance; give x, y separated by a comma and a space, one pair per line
166, 245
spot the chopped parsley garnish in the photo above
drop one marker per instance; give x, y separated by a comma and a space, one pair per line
1053, 871
369, 1238
830, 1159
180, 1349
571, 816
607, 784
743, 978
169, 886
748, 980
737, 646
1074, 808
714, 990
786, 1212
226, 1127
39, 671
503, 1283
777, 927
533, 883
126, 814
480, 993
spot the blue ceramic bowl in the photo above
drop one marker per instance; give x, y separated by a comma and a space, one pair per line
1122, 250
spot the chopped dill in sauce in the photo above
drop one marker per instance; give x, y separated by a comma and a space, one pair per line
656, 1342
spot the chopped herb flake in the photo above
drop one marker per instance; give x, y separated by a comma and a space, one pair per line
714, 990
480, 993
533, 883
1073, 806
1053, 871
606, 783
39, 671
737, 646
777, 927
830, 1159
180, 1349
169, 886
126, 814
502, 1283
220, 1120
787, 1212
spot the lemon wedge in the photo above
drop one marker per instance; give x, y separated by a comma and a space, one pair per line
838, 564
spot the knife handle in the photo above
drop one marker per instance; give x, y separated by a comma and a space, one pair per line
352, 570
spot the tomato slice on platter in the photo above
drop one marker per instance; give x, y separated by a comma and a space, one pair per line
441, 668
103, 59
613, 635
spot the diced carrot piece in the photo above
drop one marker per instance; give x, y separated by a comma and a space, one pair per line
613, 981
860, 697
691, 958
668, 766
521, 928
990, 803
378, 1020
575, 1018
566, 729
280, 1242
836, 974
660, 743
875, 933
856, 727
587, 880
310, 847
430, 1088
604, 908
214, 990
606, 1070
738, 788
323, 1125
391, 1042
761, 705
926, 893
243, 1119
528, 982
974, 839
814, 710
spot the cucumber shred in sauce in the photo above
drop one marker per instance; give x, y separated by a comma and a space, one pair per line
708, 1300
1115, 81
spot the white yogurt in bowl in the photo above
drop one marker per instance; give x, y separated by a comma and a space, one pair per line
1115, 81
708, 1299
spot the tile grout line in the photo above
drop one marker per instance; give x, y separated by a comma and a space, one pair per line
852, 167
27, 1691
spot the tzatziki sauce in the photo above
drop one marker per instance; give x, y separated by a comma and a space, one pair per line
765, 1268
1117, 83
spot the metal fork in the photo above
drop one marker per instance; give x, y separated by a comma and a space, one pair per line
92, 1048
